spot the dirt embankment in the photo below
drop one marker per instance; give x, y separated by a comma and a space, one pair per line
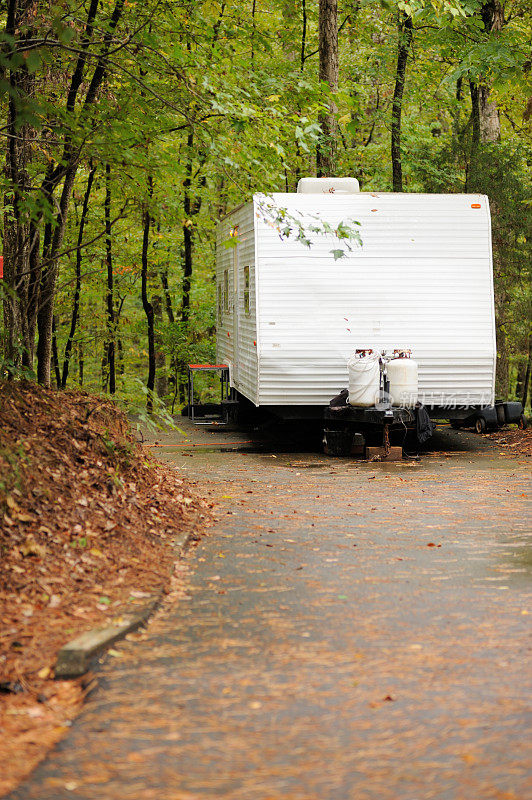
87, 519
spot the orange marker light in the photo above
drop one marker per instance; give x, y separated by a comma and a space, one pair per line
475, 205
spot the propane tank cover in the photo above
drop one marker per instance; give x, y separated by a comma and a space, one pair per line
402, 373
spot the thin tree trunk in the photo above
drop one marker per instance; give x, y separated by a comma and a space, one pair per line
48, 282
486, 121
110, 301
55, 354
328, 73
475, 115
520, 379
191, 207
403, 48
81, 363
161, 378
18, 230
120, 353
502, 368
147, 306
253, 9
77, 290
167, 296
526, 382
303, 33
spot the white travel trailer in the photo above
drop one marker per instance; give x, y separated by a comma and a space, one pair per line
290, 316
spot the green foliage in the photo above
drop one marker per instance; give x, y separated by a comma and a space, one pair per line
210, 102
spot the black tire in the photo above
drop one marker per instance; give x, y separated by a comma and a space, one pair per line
523, 422
480, 425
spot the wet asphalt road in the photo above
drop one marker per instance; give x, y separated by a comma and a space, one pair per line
345, 631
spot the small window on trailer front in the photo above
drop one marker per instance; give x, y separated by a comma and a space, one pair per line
246, 290
226, 290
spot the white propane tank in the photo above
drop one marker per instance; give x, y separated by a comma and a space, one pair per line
403, 378
364, 378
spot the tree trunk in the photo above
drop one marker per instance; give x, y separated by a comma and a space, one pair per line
502, 365
328, 73
110, 300
484, 108
147, 306
161, 378
48, 282
120, 354
303, 33
81, 363
19, 233
55, 354
167, 296
403, 48
526, 382
187, 235
77, 290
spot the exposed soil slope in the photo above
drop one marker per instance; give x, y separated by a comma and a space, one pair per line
87, 518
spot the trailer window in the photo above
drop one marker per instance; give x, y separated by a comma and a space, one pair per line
246, 290
226, 290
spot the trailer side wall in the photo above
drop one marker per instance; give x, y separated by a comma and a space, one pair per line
236, 300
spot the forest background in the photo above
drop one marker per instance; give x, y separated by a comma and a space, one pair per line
131, 127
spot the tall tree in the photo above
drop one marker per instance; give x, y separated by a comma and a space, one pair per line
110, 298
326, 153
146, 304
492, 13
405, 28
21, 243
77, 289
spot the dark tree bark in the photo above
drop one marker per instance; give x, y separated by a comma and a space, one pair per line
77, 289
19, 232
475, 115
187, 235
191, 207
303, 33
120, 355
403, 48
147, 306
484, 109
48, 282
167, 296
328, 73
55, 354
81, 363
110, 299
253, 10
526, 382
161, 378
520, 380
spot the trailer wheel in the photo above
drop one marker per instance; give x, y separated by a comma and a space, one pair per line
480, 425
523, 422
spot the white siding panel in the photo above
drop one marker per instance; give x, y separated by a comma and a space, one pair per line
421, 280
236, 342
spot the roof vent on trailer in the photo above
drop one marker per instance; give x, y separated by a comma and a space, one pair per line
328, 186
